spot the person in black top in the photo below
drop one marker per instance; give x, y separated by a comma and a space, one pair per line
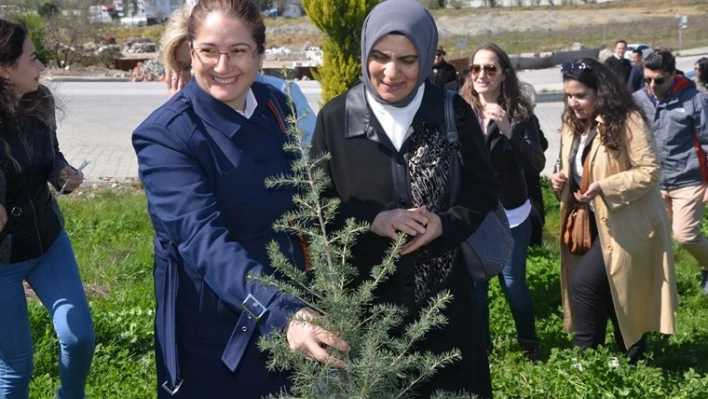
636, 77
389, 165
456, 84
620, 65
511, 135
443, 72
34, 246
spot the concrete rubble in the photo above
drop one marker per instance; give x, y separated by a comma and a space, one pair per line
148, 71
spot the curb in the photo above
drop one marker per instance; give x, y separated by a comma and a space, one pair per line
86, 79
549, 97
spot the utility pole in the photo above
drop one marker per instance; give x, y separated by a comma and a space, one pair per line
683, 24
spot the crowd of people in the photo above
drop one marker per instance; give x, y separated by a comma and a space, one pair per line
632, 167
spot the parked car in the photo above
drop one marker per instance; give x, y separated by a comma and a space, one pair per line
137, 20
645, 48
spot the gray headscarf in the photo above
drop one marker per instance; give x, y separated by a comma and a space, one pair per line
410, 19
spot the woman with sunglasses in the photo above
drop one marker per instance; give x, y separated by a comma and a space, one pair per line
203, 159
512, 139
628, 273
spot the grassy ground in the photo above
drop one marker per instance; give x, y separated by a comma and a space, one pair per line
659, 32
112, 236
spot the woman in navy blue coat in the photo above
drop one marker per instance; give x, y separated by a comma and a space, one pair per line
203, 159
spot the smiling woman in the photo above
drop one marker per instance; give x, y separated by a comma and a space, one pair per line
608, 161
203, 158
390, 162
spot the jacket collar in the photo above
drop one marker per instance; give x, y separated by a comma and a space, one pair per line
679, 84
220, 116
359, 119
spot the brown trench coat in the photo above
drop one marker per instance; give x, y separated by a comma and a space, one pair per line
633, 229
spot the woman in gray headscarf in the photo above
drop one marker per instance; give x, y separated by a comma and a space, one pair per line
389, 165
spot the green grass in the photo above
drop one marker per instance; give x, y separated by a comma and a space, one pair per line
112, 237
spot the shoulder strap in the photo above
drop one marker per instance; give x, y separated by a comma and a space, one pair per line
450, 125
585, 179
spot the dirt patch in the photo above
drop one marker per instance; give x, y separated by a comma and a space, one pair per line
93, 71
494, 23
92, 291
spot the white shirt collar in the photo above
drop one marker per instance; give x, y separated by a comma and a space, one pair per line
251, 104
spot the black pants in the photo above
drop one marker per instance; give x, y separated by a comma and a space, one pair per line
592, 303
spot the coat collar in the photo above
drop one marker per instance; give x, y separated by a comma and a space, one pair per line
359, 119
220, 116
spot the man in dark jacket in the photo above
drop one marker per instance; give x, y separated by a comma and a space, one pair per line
677, 113
618, 63
636, 77
443, 72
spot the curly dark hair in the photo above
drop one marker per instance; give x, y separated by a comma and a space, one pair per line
614, 101
511, 98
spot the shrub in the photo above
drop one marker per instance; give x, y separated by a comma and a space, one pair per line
341, 22
35, 28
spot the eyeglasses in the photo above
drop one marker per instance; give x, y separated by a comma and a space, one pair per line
211, 56
490, 70
575, 67
657, 81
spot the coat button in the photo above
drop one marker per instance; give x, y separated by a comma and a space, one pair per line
244, 328
402, 202
609, 247
651, 235
604, 218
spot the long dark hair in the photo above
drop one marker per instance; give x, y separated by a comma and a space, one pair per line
614, 101
39, 103
511, 98
703, 67
12, 40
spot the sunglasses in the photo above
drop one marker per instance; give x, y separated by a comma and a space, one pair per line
490, 70
575, 67
657, 81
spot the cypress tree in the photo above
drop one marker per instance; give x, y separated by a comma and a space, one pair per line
340, 21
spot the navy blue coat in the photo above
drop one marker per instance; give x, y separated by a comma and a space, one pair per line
203, 166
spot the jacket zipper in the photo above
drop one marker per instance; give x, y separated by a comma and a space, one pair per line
29, 197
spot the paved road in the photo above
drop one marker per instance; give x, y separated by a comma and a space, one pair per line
99, 117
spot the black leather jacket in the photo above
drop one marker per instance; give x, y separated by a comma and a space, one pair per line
513, 157
35, 220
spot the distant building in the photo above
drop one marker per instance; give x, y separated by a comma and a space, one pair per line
152, 11
292, 11
8, 9
517, 3
99, 15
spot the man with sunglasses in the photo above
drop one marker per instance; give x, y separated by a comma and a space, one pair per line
678, 114
443, 72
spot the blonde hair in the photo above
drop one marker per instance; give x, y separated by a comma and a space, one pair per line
175, 34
